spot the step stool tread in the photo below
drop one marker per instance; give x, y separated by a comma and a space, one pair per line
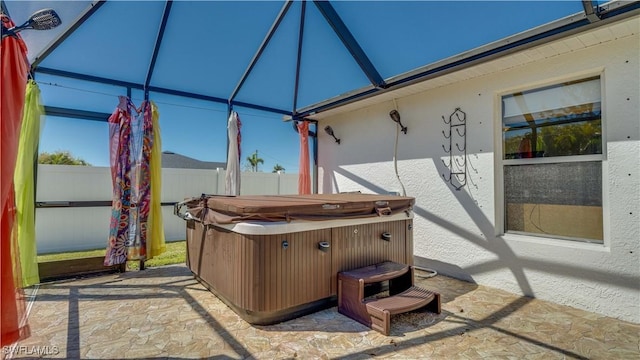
376, 273
413, 298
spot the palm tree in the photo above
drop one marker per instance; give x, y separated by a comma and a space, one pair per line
254, 160
60, 158
277, 167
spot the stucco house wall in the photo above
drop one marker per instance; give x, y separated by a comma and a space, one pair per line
459, 233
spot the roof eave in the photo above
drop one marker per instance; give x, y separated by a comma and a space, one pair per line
570, 25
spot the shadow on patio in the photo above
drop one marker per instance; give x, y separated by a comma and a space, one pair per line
165, 313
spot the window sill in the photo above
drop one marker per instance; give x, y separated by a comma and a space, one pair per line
556, 242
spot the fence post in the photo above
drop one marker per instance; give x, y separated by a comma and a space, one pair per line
279, 177
217, 188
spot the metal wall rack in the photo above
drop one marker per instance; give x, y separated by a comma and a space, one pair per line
457, 164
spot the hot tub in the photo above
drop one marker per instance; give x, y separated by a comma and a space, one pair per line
273, 258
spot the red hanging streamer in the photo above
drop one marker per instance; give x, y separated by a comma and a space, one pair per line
304, 179
13, 70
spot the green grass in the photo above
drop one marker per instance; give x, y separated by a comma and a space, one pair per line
71, 255
175, 254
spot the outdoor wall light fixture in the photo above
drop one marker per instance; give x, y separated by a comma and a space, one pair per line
395, 116
329, 130
44, 19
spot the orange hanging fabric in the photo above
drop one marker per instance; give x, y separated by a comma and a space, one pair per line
13, 70
304, 179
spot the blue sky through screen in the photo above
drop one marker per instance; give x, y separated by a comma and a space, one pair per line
208, 45
189, 127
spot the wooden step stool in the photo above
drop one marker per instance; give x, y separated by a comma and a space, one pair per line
376, 313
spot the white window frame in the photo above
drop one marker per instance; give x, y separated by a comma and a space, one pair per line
500, 162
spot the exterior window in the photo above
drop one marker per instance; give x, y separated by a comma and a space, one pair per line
552, 161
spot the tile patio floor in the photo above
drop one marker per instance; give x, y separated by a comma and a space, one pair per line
163, 313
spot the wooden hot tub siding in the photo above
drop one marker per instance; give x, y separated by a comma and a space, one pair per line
266, 283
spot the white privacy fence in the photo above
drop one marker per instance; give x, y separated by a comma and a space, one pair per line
72, 215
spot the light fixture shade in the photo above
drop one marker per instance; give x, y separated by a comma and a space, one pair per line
44, 19
395, 115
329, 130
